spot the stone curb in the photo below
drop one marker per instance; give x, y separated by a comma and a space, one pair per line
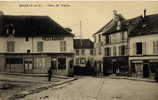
35, 75
37, 90
131, 78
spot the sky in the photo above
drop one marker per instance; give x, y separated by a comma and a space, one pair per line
92, 15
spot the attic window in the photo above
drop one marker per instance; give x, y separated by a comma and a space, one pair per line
118, 25
10, 29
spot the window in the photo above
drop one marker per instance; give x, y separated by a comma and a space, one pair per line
91, 51
77, 52
99, 51
114, 51
62, 46
28, 51
39, 46
94, 52
108, 39
82, 51
122, 50
107, 51
99, 38
10, 46
155, 47
95, 39
27, 39
82, 60
49, 38
123, 36
139, 48
77, 60
62, 63
118, 25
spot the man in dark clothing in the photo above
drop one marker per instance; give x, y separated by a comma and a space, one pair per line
49, 74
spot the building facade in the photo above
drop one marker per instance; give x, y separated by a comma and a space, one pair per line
143, 41
32, 44
116, 46
84, 54
98, 49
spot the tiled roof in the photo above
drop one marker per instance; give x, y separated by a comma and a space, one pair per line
143, 25
32, 26
83, 44
111, 26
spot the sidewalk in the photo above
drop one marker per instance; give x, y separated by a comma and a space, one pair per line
14, 86
35, 75
129, 78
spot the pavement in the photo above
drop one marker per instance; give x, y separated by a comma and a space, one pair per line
15, 85
94, 88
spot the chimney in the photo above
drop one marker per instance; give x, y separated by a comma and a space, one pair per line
114, 12
144, 13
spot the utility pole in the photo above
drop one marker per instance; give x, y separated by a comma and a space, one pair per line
80, 29
80, 32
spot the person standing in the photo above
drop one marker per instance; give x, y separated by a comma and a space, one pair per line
49, 73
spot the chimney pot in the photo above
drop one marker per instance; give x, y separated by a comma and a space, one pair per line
144, 12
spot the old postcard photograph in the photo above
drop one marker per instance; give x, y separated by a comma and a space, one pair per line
65, 50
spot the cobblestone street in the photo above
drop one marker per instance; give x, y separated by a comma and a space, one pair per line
90, 88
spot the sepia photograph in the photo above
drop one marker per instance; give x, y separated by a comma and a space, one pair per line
75, 50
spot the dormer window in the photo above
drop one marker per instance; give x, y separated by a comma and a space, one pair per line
118, 25
10, 29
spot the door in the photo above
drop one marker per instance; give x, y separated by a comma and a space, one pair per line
146, 70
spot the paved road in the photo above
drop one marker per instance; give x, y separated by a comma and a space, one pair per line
90, 88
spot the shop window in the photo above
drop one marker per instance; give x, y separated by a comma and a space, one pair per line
14, 61
39, 46
11, 46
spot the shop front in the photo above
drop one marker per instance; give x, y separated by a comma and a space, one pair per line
115, 65
37, 63
144, 68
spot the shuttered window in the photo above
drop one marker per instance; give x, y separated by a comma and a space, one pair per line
107, 51
39, 46
114, 51
11, 46
155, 47
62, 46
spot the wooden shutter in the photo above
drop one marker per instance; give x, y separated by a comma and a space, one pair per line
134, 49
144, 48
